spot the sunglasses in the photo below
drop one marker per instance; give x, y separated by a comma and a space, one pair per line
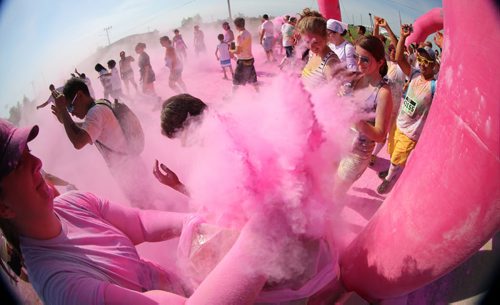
71, 105
363, 59
424, 61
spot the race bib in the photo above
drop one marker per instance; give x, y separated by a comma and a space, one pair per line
409, 106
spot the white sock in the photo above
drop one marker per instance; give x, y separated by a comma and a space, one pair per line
394, 172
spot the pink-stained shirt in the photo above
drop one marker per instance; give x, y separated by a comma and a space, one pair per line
244, 41
90, 253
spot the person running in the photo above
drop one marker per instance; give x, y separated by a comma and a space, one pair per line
179, 45
266, 38
174, 64
370, 87
342, 48
126, 71
145, 70
414, 108
199, 41
245, 69
322, 61
80, 249
51, 97
288, 40
223, 56
105, 78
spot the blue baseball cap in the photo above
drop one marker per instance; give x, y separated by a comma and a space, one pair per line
13, 141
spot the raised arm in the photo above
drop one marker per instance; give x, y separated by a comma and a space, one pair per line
400, 58
78, 137
383, 23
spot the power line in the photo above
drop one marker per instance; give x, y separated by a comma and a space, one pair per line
106, 29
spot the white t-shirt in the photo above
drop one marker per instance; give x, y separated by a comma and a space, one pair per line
396, 79
116, 83
415, 106
287, 30
102, 125
345, 52
223, 49
268, 28
244, 41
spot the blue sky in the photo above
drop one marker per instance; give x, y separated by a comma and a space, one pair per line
39, 37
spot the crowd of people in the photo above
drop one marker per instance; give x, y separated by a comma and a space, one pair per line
78, 248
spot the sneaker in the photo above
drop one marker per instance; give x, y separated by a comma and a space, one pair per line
373, 158
386, 186
383, 174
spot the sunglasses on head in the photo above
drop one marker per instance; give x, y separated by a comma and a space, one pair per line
424, 61
363, 59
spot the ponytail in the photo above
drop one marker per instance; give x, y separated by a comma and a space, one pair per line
384, 68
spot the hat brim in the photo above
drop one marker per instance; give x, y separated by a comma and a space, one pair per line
18, 141
424, 52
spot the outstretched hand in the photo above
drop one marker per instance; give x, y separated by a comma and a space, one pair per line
165, 175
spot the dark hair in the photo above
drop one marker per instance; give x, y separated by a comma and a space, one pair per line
376, 48
176, 31
265, 16
141, 45
175, 111
99, 67
220, 37
362, 29
312, 22
82, 75
72, 86
239, 22
111, 63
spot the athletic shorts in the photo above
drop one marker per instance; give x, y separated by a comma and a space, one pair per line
245, 72
403, 146
225, 63
268, 43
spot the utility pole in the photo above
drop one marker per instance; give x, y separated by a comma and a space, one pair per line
229, 9
106, 29
371, 20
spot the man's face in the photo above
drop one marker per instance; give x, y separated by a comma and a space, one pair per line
24, 192
78, 106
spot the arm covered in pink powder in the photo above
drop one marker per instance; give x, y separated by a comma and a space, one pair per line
144, 225
237, 279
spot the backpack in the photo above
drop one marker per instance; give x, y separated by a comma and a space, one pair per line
129, 123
